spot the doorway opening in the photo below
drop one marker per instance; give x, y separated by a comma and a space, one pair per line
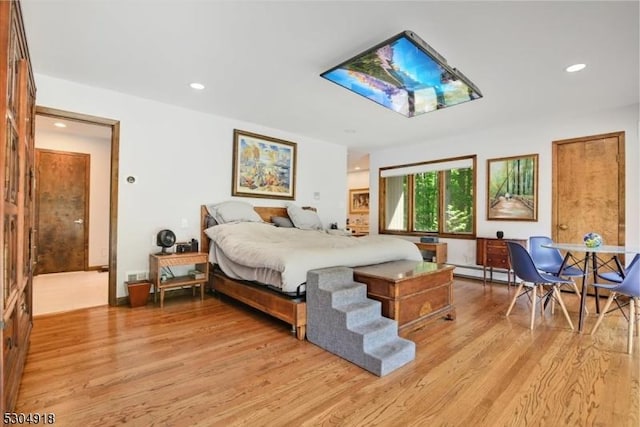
357, 193
103, 256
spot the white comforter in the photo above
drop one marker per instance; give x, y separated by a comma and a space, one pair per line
293, 252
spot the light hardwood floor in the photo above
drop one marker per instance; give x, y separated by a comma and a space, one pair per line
60, 292
219, 363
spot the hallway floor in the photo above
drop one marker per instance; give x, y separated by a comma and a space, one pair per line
60, 292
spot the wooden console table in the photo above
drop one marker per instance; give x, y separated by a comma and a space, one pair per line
493, 253
410, 291
439, 250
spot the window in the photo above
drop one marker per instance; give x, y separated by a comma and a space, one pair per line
435, 197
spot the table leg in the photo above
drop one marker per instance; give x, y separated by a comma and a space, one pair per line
583, 293
595, 279
632, 321
619, 266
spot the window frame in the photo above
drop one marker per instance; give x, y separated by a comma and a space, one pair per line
410, 220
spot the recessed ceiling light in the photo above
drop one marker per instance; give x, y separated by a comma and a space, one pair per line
197, 86
357, 168
575, 67
59, 125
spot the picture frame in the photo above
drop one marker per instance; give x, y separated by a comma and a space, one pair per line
359, 200
512, 188
263, 166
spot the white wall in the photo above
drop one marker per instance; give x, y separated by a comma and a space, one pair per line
535, 136
182, 159
100, 152
359, 179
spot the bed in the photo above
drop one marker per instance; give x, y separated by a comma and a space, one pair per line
269, 272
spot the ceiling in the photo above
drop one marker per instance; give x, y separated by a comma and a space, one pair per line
260, 61
75, 128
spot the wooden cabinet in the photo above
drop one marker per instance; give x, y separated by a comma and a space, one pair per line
411, 292
157, 263
17, 119
493, 253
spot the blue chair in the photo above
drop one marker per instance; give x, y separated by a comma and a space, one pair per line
615, 276
549, 260
630, 286
525, 269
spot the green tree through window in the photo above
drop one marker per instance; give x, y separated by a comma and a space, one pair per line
426, 202
436, 198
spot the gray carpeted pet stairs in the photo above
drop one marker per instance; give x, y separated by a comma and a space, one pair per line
342, 320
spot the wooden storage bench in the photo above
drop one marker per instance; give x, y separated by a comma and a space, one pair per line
411, 292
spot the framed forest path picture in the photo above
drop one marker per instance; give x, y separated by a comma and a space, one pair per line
512, 188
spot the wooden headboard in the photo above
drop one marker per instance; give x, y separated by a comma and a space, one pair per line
265, 212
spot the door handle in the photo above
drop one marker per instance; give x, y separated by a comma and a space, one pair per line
79, 221
563, 227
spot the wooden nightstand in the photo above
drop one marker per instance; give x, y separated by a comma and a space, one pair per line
438, 251
200, 262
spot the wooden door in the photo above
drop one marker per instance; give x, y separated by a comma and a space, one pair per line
62, 194
589, 189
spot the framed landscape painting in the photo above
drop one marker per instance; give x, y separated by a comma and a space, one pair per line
359, 200
263, 166
512, 188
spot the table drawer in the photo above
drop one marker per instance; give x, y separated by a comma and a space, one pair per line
497, 249
497, 261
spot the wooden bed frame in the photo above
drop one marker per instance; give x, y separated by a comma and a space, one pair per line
283, 307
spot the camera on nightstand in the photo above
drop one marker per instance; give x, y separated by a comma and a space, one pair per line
183, 247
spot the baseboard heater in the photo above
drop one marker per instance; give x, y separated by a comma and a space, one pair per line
498, 276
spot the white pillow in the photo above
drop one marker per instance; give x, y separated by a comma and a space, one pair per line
281, 221
233, 211
304, 219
